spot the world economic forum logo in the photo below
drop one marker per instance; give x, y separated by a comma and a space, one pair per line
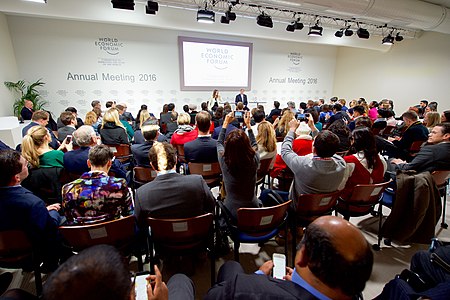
295, 57
111, 46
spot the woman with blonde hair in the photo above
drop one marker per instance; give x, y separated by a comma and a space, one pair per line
283, 124
143, 116
431, 119
112, 130
92, 119
38, 153
266, 140
185, 132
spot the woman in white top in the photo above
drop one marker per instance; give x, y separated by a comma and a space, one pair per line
214, 101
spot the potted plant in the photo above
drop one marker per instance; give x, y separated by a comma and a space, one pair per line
26, 91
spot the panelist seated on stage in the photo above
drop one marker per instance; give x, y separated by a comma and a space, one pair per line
171, 195
27, 110
95, 196
75, 161
433, 156
41, 117
330, 247
204, 148
150, 132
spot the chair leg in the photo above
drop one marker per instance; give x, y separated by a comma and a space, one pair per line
236, 250
294, 239
37, 276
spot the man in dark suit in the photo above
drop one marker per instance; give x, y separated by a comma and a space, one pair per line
27, 110
41, 117
276, 111
74, 111
241, 97
75, 161
171, 195
204, 148
431, 157
338, 114
20, 209
330, 247
150, 132
415, 131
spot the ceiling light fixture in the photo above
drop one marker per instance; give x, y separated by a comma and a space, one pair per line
229, 16
264, 20
123, 4
348, 31
38, 1
388, 40
339, 33
363, 33
151, 8
295, 25
315, 30
398, 37
206, 15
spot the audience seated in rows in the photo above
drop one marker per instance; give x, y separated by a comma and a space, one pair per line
185, 132
75, 161
239, 162
302, 145
364, 165
435, 155
69, 121
112, 131
20, 209
150, 133
321, 173
330, 247
41, 117
171, 195
99, 273
203, 149
95, 196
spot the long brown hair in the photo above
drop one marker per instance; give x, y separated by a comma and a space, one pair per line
266, 136
238, 153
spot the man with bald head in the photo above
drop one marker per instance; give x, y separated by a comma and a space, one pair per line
333, 261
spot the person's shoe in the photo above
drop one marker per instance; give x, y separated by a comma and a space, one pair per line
5, 281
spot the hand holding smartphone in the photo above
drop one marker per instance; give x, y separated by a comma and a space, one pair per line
68, 139
279, 265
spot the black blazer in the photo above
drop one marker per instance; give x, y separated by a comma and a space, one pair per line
201, 150
140, 153
26, 113
430, 158
415, 132
238, 99
112, 134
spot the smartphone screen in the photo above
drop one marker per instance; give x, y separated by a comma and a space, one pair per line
301, 117
68, 139
279, 265
239, 114
140, 285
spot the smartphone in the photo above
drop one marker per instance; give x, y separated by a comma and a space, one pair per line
140, 285
239, 114
68, 139
279, 265
301, 117
307, 116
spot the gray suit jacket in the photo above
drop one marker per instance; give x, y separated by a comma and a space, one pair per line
173, 196
430, 158
312, 175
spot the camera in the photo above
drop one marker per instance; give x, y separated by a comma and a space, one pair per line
239, 115
301, 117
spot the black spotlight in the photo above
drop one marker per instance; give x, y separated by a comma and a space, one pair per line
388, 40
316, 30
234, 2
398, 37
224, 20
123, 4
264, 20
151, 8
348, 32
205, 16
230, 15
290, 28
298, 25
363, 33
339, 33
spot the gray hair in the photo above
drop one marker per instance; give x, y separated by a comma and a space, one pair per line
83, 135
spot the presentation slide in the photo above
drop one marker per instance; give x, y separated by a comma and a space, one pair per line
207, 64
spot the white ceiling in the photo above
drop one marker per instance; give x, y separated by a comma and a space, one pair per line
410, 17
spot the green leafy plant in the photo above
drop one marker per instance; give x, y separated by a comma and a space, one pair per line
26, 91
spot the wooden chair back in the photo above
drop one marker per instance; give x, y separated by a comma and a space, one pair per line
181, 234
119, 233
387, 131
210, 172
142, 175
308, 207
180, 153
263, 169
121, 152
259, 221
415, 147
